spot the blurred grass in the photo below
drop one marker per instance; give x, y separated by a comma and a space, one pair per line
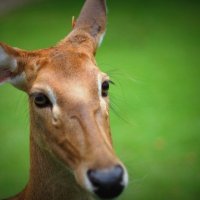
152, 53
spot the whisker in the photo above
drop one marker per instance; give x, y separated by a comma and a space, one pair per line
118, 114
120, 73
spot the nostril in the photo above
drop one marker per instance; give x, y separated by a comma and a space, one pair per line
107, 182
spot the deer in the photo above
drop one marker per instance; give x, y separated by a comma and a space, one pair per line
71, 150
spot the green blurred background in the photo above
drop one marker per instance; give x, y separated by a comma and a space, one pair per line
152, 53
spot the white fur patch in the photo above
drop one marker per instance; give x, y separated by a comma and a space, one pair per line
101, 99
125, 178
56, 113
88, 184
56, 110
101, 39
51, 95
79, 92
99, 84
18, 80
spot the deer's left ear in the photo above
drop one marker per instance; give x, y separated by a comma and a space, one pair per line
11, 67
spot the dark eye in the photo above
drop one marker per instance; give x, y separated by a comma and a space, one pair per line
104, 88
41, 100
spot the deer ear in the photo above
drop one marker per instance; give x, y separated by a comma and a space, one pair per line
92, 21
10, 69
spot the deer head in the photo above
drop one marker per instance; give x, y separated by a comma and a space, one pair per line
69, 103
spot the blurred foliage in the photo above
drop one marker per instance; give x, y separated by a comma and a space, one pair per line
151, 51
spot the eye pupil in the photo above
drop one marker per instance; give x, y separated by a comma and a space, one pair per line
105, 88
41, 101
105, 85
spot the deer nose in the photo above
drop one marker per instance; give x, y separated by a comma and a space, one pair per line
107, 184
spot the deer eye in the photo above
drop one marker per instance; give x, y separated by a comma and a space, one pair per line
41, 100
104, 88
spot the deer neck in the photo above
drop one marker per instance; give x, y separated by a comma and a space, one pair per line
49, 179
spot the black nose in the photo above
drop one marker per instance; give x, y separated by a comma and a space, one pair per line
107, 183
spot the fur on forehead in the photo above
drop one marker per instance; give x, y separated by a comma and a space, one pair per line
70, 59
79, 41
